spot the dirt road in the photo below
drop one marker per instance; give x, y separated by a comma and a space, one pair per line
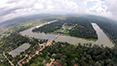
8, 59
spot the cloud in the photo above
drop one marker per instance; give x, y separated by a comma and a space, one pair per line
5, 12
112, 7
12, 1
15, 8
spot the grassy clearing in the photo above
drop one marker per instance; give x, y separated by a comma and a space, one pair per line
66, 29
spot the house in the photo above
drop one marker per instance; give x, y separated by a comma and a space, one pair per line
69, 28
63, 27
53, 55
1, 60
44, 61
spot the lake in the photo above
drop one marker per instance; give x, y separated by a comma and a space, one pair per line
102, 38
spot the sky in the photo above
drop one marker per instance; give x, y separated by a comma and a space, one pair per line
14, 8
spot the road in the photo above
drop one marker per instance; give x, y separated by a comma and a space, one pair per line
55, 37
52, 60
50, 42
42, 47
8, 59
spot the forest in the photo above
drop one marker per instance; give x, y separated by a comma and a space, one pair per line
83, 30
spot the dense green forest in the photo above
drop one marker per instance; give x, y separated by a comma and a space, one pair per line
84, 30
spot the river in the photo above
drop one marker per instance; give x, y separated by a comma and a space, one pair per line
102, 38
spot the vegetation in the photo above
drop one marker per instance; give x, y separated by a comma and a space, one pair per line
107, 25
76, 28
24, 22
11, 27
48, 28
84, 30
66, 54
37, 61
65, 28
13, 41
69, 55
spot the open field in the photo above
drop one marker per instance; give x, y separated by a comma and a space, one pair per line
21, 48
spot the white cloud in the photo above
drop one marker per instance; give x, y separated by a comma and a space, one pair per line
13, 8
112, 7
98, 8
38, 6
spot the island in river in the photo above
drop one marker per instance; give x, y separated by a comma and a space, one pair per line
73, 28
70, 39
